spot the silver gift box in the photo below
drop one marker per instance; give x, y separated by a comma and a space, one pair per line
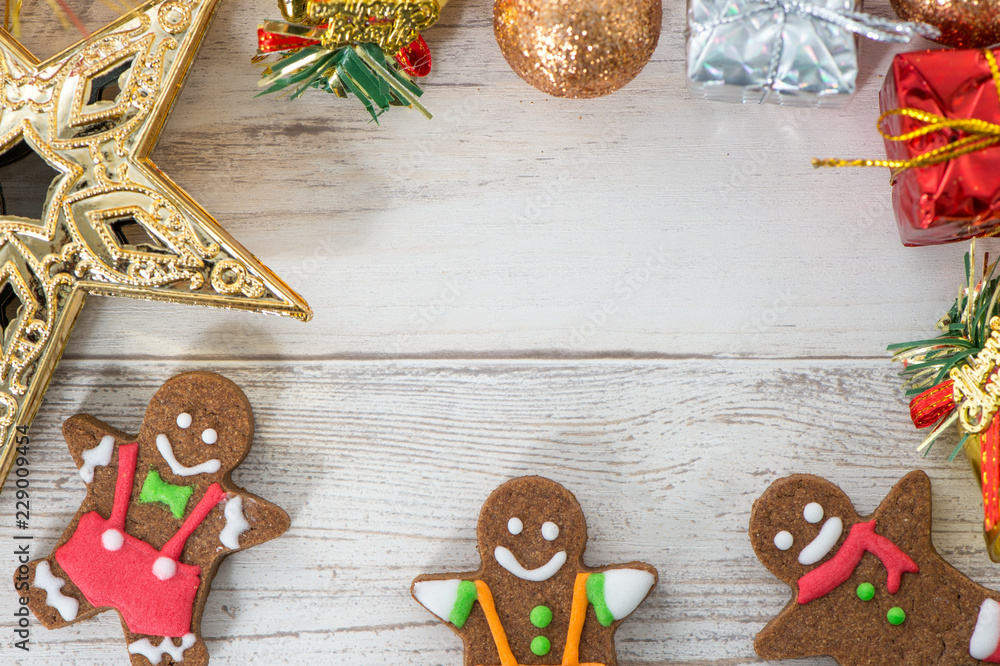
746, 51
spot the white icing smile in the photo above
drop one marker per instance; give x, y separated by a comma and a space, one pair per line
508, 561
207, 467
824, 542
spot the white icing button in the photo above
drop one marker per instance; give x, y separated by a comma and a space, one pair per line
514, 526
550, 531
164, 568
112, 539
813, 513
209, 436
783, 540
183, 420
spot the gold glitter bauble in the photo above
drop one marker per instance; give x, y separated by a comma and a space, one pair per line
577, 48
972, 24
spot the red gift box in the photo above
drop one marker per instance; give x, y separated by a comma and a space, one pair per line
958, 198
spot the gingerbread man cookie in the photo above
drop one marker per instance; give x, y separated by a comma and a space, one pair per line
161, 512
867, 590
533, 601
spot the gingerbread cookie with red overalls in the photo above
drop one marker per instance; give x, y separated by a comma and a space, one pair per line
533, 601
867, 590
161, 513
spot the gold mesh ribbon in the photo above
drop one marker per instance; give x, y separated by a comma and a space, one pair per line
980, 135
392, 24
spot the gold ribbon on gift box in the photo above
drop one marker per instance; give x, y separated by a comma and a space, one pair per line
392, 24
981, 135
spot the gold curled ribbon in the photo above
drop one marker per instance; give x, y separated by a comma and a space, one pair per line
391, 24
981, 135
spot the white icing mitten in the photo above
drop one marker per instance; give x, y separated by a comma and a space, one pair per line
985, 641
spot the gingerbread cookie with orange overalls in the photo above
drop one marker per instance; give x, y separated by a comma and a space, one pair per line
161, 513
869, 590
533, 601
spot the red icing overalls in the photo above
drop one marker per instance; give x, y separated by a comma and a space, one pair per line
150, 588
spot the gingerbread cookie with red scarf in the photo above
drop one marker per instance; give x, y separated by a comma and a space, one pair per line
160, 514
533, 601
867, 590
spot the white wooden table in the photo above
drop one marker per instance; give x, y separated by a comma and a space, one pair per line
653, 300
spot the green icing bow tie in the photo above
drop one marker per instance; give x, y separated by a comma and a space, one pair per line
155, 489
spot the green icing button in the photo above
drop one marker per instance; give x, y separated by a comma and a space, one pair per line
866, 591
896, 615
541, 617
540, 645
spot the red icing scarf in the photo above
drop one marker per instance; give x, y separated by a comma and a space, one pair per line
834, 572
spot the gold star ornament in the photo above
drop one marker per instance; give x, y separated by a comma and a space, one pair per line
112, 223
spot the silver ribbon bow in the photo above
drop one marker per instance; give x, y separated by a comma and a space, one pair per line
873, 27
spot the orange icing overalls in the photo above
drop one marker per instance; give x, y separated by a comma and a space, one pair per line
577, 616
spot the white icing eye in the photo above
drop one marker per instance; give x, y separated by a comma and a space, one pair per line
514, 526
550, 531
783, 540
209, 436
183, 420
813, 513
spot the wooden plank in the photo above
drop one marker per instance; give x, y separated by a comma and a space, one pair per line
645, 225
384, 466
644, 222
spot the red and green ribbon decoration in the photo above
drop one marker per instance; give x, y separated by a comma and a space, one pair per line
378, 79
414, 58
927, 368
